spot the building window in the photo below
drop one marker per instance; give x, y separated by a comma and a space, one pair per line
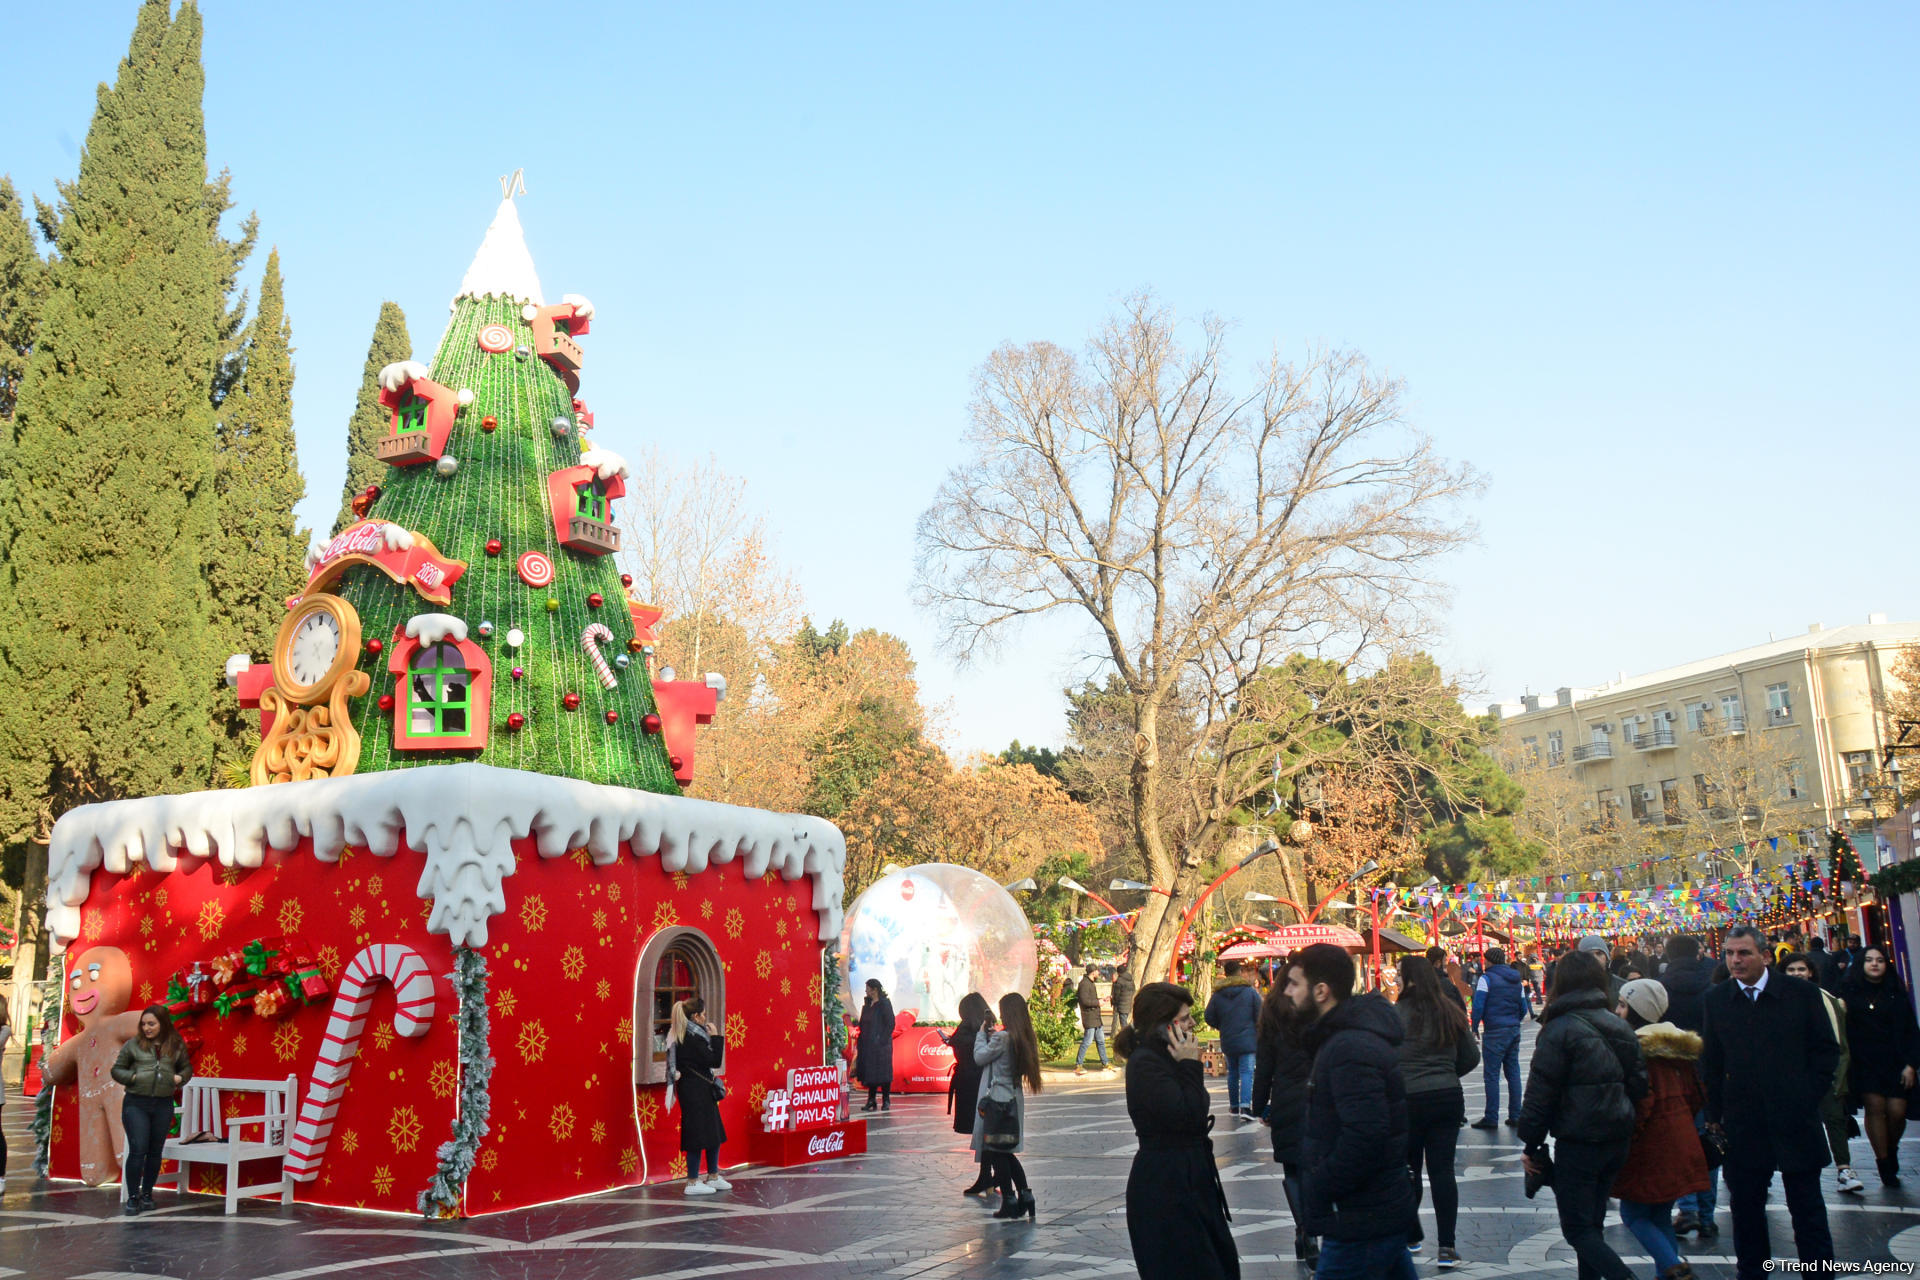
410, 415
1779, 704
1630, 729
1702, 791
1859, 765
1604, 796
1556, 749
1697, 713
1530, 750
1670, 799
1731, 718
675, 964
1793, 780
1637, 796
439, 682
590, 501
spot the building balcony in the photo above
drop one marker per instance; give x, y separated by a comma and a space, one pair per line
1587, 752
1659, 739
1714, 725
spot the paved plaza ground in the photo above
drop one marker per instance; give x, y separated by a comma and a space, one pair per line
896, 1212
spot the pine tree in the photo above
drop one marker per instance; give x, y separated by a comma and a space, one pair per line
107, 507
23, 286
368, 425
260, 556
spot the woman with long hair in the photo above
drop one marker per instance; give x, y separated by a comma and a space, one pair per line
1586, 1081
695, 1053
1438, 1050
963, 1091
1009, 1058
873, 1062
1177, 1215
152, 1067
1281, 1065
1884, 1045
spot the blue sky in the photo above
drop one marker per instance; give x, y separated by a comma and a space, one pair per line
1651, 268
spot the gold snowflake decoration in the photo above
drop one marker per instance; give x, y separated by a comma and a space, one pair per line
648, 1110
489, 1159
403, 1129
240, 1044
533, 1041
599, 921
756, 1096
382, 1179
629, 1160
286, 1041
623, 1031
580, 856
533, 913
780, 927
256, 904
373, 885
786, 986
160, 898
679, 881
383, 1036
357, 916
813, 988
599, 1131
763, 964
706, 908
228, 876
207, 1064
442, 1078
146, 993
736, 923
212, 919
803, 1020
292, 916
664, 916
328, 958
349, 1142
146, 925
613, 892
678, 1169
506, 1002
560, 1123
573, 963
736, 1028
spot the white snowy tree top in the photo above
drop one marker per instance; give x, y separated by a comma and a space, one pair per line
432, 628
460, 819
581, 306
400, 373
503, 268
605, 463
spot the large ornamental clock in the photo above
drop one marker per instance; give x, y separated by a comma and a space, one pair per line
314, 660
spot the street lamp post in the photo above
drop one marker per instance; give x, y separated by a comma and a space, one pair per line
1066, 883
1186, 921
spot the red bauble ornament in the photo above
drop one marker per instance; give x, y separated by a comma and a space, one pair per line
374, 647
516, 722
595, 600
613, 717
626, 579
488, 423
650, 722
675, 762
571, 702
386, 702
493, 546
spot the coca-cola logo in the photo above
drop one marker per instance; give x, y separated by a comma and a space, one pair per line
906, 891
935, 1053
826, 1144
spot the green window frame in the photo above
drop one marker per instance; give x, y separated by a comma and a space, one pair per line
411, 415
590, 501
440, 700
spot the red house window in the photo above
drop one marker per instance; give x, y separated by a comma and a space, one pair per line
442, 695
582, 505
423, 414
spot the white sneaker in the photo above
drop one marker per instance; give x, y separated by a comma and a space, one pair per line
702, 1189
1849, 1182
719, 1183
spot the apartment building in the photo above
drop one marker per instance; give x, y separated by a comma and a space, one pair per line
1646, 747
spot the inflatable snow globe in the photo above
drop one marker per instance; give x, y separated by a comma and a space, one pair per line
931, 934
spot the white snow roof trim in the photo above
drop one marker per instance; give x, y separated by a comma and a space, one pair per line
503, 268
461, 816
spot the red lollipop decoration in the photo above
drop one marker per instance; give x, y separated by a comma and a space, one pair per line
495, 338
535, 569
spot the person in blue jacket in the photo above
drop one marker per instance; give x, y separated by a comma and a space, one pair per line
1234, 1012
1499, 1007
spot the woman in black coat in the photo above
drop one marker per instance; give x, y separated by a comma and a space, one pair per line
873, 1067
963, 1089
1281, 1066
1884, 1045
697, 1051
1176, 1211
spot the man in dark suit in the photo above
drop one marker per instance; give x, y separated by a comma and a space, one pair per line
1769, 1058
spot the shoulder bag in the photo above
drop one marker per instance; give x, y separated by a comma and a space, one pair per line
999, 1124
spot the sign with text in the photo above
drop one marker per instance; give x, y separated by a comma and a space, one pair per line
791, 1148
816, 1096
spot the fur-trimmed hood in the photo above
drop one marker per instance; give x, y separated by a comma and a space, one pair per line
1235, 981
1664, 1040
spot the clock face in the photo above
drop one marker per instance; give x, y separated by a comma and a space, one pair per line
315, 644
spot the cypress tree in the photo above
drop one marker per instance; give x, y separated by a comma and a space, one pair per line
108, 506
23, 286
260, 556
368, 425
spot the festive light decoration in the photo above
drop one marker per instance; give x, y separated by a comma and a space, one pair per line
442, 1197
592, 637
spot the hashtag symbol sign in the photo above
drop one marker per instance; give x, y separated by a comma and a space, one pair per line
773, 1116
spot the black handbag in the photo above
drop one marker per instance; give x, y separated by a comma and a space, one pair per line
999, 1124
1713, 1146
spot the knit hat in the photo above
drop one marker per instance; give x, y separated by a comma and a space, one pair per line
1594, 942
1645, 997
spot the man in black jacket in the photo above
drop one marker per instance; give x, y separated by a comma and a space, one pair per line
1769, 1058
1359, 1199
1093, 1024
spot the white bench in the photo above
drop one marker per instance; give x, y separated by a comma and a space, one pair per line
200, 1103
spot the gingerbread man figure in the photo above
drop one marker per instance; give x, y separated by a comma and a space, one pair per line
99, 988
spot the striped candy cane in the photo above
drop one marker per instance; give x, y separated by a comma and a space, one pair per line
591, 639
412, 988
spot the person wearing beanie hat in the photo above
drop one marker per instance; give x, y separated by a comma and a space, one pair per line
1666, 1160
1599, 946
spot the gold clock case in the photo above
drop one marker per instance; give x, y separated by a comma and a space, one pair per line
312, 734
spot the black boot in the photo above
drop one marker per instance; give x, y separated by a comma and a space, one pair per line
980, 1184
1026, 1205
1889, 1171
1009, 1207
1312, 1255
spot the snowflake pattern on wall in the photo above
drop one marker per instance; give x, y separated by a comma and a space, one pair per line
602, 989
403, 1129
560, 1123
629, 1160
624, 1030
664, 916
736, 922
505, 1002
532, 1044
573, 963
648, 1111
383, 1036
763, 965
328, 958
786, 986
383, 1179
599, 921
706, 908
599, 1131
349, 1142
736, 1028
291, 916
240, 1043
490, 1160
443, 1078
212, 917
533, 913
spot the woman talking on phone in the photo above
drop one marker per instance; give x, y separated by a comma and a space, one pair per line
1008, 1057
1176, 1210
693, 1058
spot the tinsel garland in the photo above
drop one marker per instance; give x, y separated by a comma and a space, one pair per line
442, 1197
832, 1011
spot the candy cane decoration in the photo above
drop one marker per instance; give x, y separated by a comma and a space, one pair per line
591, 639
412, 988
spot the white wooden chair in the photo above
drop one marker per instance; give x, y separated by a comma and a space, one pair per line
200, 1103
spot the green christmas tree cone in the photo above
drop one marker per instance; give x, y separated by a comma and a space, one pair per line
485, 502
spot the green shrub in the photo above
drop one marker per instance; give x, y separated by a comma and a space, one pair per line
1056, 1024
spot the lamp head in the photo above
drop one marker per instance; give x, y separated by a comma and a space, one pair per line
1130, 884
1021, 886
1068, 882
